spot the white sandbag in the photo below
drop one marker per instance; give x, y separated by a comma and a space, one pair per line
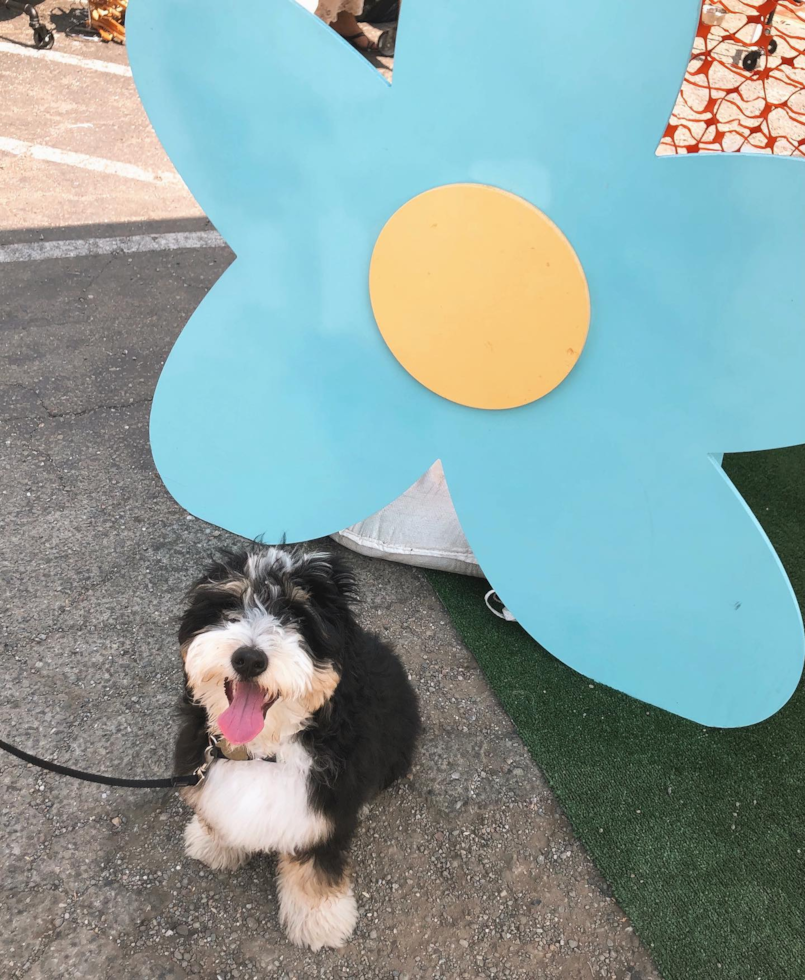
419, 528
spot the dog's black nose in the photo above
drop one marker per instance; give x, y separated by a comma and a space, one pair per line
248, 662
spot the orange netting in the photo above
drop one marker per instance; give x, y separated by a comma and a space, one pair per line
745, 85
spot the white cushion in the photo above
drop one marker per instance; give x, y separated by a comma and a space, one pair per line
419, 528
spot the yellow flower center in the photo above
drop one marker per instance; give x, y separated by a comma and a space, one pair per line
479, 296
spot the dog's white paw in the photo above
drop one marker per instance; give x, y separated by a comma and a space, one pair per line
315, 913
329, 924
200, 845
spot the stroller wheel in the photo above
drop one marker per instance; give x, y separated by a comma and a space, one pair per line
751, 59
387, 42
772, 46
43, 38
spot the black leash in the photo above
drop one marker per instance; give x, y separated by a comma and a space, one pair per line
172, 782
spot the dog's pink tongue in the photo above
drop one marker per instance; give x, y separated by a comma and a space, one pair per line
243, 720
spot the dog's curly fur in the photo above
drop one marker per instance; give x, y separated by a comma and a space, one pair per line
341, 725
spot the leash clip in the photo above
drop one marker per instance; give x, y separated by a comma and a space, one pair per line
210, 755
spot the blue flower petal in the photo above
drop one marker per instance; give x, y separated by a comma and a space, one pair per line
695, 275
590, 83
263, 111
268, 430
638, 567
730, 241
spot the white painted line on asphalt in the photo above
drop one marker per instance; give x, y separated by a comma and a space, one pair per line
65, 59
21, 148
36, 251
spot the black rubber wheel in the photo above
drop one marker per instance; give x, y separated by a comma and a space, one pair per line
387, 42
772, 46
751, 59
43, 38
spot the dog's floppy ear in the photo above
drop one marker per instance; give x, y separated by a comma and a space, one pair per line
225, 573
220, 587
324, 580
320, 588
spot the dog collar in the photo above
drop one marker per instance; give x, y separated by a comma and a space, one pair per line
219, 748
236, 753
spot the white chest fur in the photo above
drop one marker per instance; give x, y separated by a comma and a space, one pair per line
262, 806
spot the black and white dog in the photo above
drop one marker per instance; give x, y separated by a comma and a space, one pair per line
314, 715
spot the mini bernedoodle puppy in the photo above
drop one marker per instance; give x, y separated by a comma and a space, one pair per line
313, 715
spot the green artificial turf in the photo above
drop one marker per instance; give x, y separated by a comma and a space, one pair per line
699, 831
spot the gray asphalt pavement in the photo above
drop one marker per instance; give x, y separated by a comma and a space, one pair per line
466, 870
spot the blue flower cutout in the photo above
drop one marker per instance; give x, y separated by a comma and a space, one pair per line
598, 511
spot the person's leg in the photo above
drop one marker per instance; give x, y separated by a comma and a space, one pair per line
346, 24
